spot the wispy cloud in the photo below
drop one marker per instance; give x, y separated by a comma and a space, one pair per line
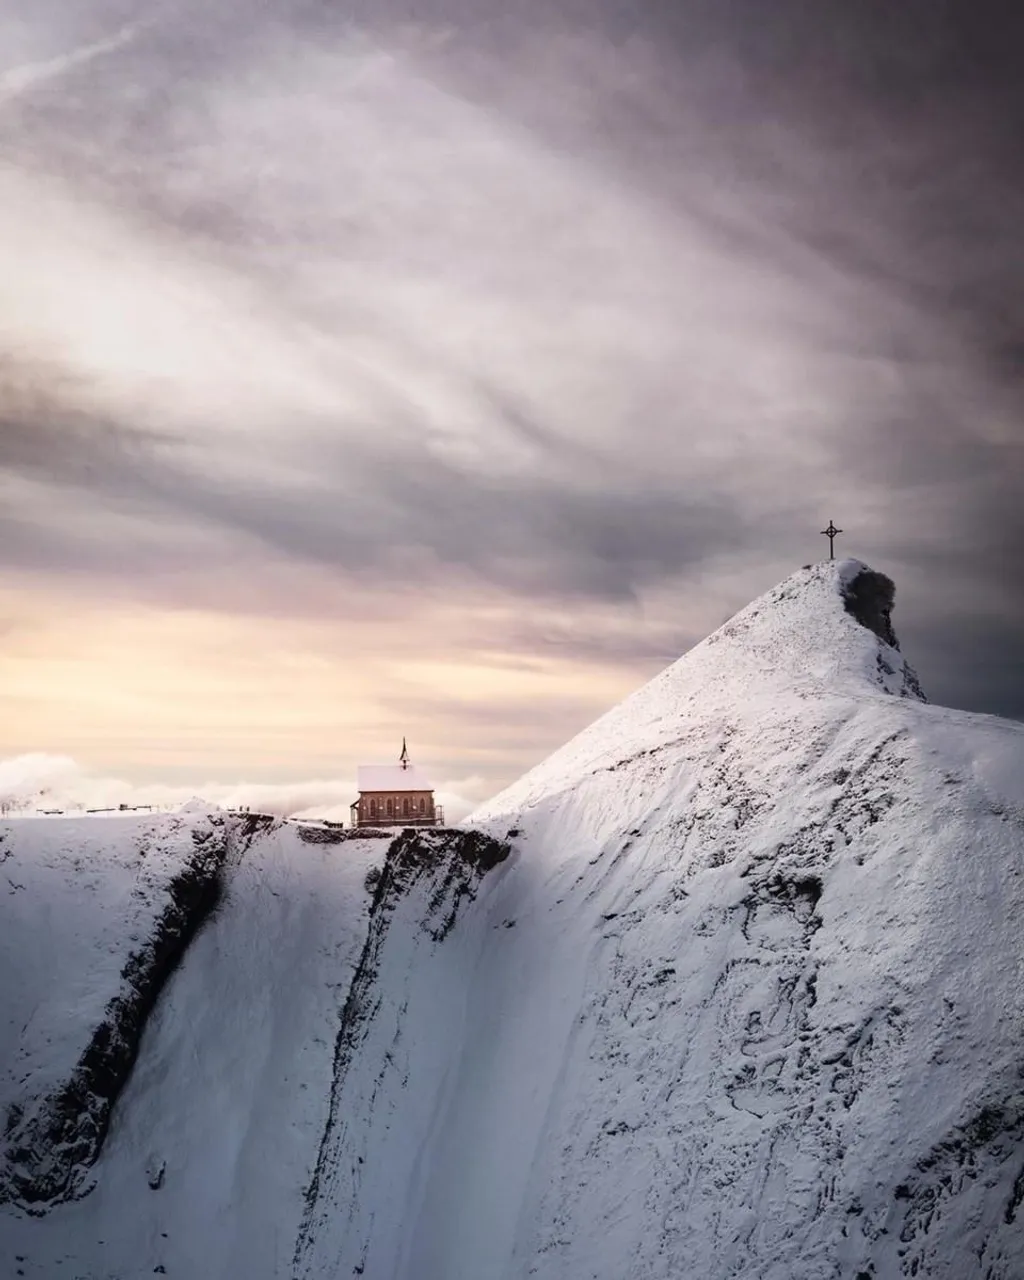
22, 79
560, 336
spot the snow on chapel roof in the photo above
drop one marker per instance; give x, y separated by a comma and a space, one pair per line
391, 777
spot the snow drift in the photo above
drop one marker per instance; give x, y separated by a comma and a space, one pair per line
728, 987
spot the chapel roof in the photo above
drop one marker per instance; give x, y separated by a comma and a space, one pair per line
392, 777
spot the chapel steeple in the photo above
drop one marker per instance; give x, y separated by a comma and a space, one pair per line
395, 795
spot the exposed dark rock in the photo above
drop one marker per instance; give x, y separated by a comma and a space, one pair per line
52, 1141
869, 597
321, 835
1015, 1200
248, 825
798, 890
986, 1151
337, 833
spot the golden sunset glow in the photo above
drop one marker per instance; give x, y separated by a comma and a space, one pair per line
189, 693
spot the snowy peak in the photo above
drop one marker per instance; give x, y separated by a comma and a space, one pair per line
824, 633
827, 626
781, 906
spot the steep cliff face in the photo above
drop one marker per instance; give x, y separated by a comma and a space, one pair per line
426, 880
115, 922
223, 1133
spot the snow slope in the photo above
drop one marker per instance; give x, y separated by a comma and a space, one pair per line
94, 915
744, 1002
214, 1138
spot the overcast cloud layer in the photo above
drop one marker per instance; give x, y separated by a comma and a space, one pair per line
481, 362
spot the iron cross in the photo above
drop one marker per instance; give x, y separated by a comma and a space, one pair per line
830, 533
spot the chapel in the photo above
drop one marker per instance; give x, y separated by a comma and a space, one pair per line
395, 795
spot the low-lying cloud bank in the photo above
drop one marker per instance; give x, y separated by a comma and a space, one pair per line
39, 784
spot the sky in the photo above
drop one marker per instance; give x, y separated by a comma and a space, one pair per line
446, 369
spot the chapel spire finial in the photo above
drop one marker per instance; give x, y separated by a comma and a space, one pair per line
404, 757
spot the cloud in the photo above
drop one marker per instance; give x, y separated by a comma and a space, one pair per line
561, 450
18, 80
546, 333
39, 782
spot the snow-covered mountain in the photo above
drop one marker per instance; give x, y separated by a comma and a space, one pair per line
91, 928
730, 986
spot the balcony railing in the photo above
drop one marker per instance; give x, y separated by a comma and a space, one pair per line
399, 820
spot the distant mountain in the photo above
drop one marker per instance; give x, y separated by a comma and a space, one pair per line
729, 987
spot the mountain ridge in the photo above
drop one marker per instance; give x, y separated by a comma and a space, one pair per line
801, 634
741, 998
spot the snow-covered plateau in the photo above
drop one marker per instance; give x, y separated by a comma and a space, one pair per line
731, 986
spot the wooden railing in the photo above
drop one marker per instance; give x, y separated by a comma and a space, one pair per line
400, 820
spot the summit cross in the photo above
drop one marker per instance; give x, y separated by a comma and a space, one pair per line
830, 533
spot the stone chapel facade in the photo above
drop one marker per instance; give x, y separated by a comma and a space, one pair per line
395, 795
